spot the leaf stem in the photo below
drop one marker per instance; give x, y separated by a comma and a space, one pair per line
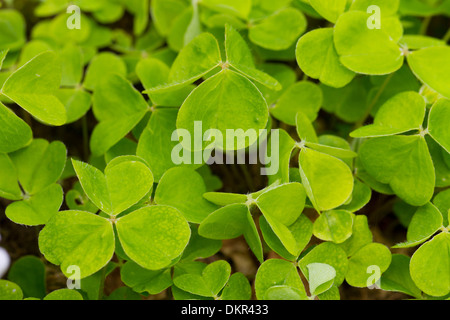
84, 127
374, 101
102, 284
425, 24
446, 37
248, 177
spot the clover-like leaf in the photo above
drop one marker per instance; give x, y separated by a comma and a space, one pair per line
77, 238
213, 279
14, 132
119, 108
330, 10
125, 182
326, 253
29, 273
304, 96
12, 30
371, 255
142, 280
39, 165
197, 59
424, 224
156, 249
172, 191
64, 294
10, 291
237, 288
430, 264
402, 113
33, 87
429, 65
397, 277
401, 162
364, 50
317, 57
216, 102
101, 67
279, 31
438, 123
327, 187
38, 209
301, 230
321, 277
275, 272
336, 226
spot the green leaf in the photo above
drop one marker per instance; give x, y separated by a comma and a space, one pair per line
33, 87
401, 162
335, 226
317, 57
371, 255
225, 199
72, 65
328, 181
321, 277
281, 207
14, 132
397, 278
29, 274
216, 102
429, 65
237, 288
361, 236
197, 59
10, 291
76, 101
305, 128
442, 202
416, 42
156, 250
304, 96
142, 280
284, 293
64, 294
430, 264
240, 8
152, 73
330, 10
164, 13
189, 201
226, 223
39, 165
38, 209
77, 238
275, 272
12, 30
9, 186
361, 196
101, 67
279, 31
125, 182
387, 7
301, 230
364, 50
402, 113
424, 224
199, 247
115, 122
330, 254
438, 123
212, 280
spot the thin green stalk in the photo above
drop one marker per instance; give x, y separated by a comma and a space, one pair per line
446, 37
374, 101
102, 284
248, 177
425, 24
85, 130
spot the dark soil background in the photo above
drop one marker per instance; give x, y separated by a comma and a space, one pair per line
20, 240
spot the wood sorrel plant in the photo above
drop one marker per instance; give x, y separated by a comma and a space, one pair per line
358, 91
